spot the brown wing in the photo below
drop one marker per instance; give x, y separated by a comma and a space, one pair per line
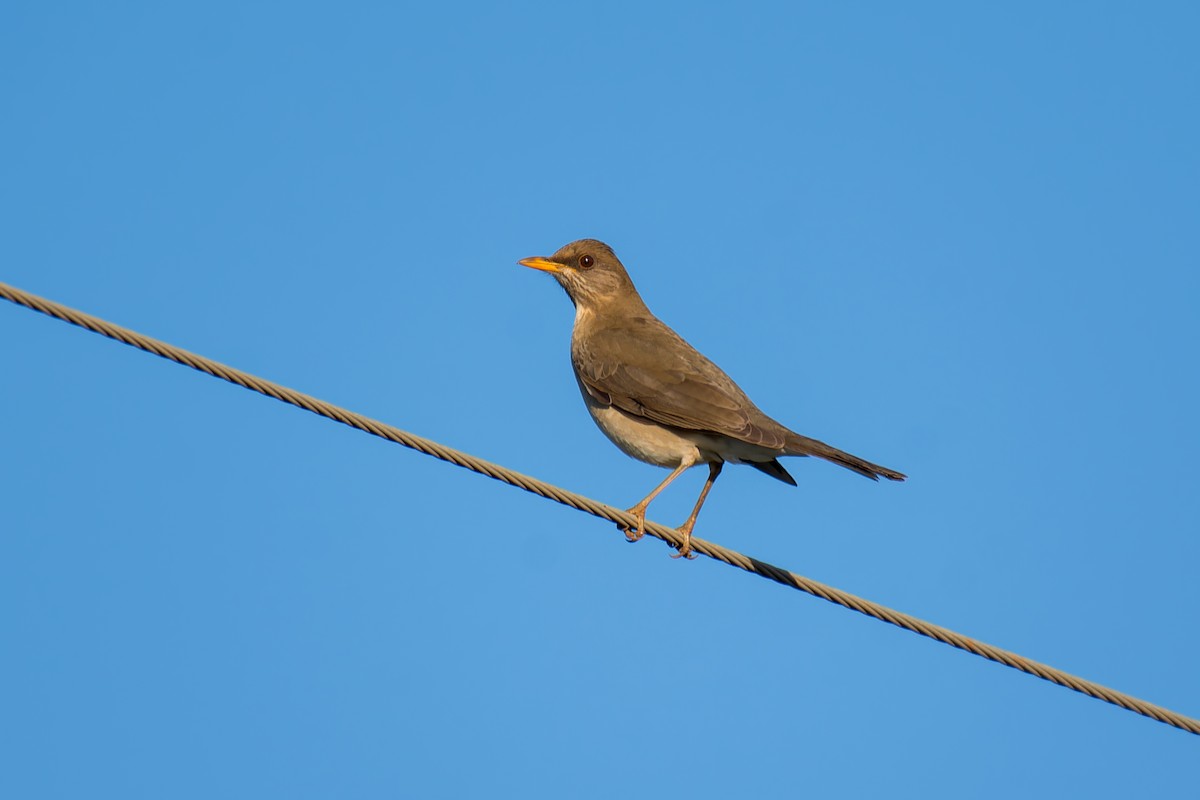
644, 368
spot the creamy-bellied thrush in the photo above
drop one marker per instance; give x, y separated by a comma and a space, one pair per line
656, 397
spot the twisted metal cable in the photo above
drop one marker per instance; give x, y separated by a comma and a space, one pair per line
581, 503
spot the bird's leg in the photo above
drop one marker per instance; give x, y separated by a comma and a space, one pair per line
639, 510
714, 469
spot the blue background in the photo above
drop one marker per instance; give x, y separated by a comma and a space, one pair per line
957, 240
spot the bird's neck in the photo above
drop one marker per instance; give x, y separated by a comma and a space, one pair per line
590, 318
627, 304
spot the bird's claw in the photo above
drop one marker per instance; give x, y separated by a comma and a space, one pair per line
634, 534
685, 551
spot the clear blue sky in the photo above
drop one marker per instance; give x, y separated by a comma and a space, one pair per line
958, 241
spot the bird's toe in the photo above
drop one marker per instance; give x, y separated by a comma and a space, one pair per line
634, 534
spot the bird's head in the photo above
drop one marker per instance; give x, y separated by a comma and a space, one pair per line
591, 274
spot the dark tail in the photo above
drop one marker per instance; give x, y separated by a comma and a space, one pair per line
798, 445
774, 469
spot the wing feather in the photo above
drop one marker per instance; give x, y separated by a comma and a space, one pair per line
646, 369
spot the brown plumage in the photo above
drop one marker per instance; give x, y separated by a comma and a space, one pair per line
658, 398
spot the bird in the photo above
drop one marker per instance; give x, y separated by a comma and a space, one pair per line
657, 398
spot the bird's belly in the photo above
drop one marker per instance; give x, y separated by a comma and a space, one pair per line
644, 440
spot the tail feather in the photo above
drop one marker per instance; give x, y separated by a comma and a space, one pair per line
774, 469
798, 445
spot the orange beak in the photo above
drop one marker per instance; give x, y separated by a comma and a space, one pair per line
544, 264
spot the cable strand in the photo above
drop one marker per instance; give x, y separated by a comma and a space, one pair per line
595, 508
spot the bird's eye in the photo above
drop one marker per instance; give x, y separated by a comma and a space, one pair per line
586, 262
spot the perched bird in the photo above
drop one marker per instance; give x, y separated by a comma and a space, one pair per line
656, 397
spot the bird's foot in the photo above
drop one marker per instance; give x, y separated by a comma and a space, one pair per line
633, 534
685, 551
